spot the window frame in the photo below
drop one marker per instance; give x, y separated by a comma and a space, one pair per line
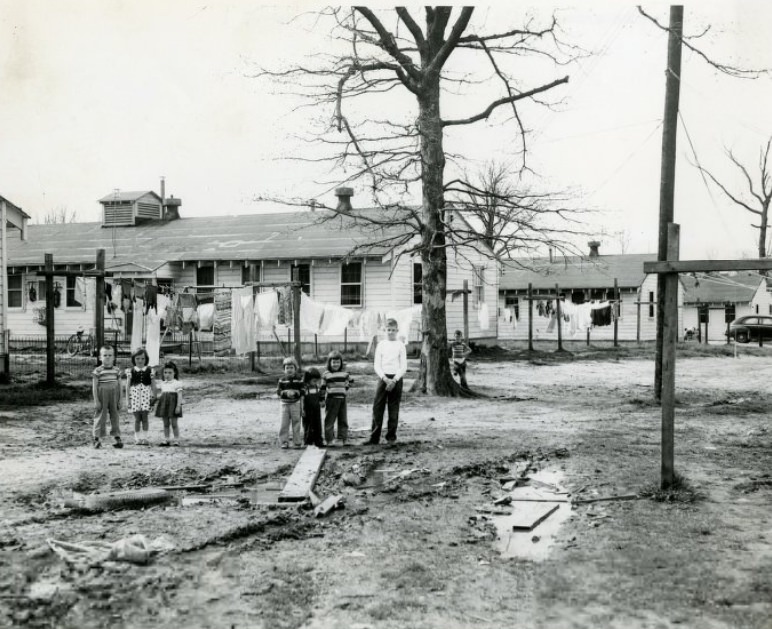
303, 266
69, 293
418, 286
19, 291
360, 284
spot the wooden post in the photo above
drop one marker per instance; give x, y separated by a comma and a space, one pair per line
316, 346
530, 317
588, 337
345, 339
50, 340
255, 290
465, 301
670, 336
667, 172
617, 311
100, 299
190, 347
296, 312
638, 318
557, 314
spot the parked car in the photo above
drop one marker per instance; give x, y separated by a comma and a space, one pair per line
750, 327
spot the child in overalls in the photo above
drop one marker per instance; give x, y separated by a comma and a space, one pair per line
290, 391
106, 388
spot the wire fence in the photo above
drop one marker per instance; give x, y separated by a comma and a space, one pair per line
27, 355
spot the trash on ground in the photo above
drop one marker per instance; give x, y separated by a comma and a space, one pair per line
129, 499
329, 504
134, 549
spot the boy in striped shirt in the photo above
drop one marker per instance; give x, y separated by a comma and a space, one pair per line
458, 353
106, 389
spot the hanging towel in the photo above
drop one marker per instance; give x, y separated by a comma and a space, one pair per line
153, 345
137, 325
335, 320
482, 316
80, 291
267, 309
311, 314
205, 316
151, 298
405, 318
242, 334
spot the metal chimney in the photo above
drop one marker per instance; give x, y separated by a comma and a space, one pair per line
344, 199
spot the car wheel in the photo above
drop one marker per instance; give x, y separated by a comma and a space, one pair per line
742, 336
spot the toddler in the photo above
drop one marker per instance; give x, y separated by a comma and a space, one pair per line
170, 403
106, 389
335, 384
313, 398
290, 392
140, 394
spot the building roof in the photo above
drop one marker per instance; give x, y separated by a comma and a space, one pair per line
15, 213
576, 272
127, 196
738, 288
274, 236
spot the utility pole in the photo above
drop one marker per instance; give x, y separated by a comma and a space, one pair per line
667, 174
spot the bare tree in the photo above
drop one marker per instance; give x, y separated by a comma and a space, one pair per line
756, 198
410, 66
59, 215
508, 216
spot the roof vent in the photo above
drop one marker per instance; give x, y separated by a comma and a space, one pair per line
593, 245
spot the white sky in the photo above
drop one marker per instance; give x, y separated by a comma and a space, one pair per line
99, 95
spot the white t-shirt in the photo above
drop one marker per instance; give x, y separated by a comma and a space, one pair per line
390, 357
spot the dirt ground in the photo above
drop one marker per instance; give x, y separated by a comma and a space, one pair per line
414, 553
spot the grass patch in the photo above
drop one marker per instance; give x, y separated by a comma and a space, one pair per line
39, 394
680, 491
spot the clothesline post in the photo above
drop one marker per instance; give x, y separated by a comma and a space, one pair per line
530, 317
345, 339
100, 299
588, 336
465, 302
616, 318
557, 314
316, 346
638, 317
50, 365
296, 312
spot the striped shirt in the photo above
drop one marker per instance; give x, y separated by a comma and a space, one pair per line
336, 383
105, 375
458, 349
289, 389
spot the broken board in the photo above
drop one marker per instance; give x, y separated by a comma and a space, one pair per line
304, 476
527, 515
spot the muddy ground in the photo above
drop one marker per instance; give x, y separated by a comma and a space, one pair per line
415, 552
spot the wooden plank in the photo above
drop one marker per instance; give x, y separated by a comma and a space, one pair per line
327, 505
526, 517
304, 476
669, 339
692, 266
605, 499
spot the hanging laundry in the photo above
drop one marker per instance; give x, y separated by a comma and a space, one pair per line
151, 297
311, 314
267, 309
137, 325
335, 321
241, 298
205, 316
222, 321
188, 305
80, 295
153, 344
482, 316
601, 314
540, 308
405, 318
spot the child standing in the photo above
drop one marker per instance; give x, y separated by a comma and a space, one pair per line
390, 364
170, 403
290, 392
313, 398
106, 388
458, 354
335, 384
140, 394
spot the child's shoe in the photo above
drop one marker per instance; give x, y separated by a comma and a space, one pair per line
137, 439
176, 443
97, 443
118, 443
164, 444
285, 445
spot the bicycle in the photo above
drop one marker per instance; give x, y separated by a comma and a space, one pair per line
80, 343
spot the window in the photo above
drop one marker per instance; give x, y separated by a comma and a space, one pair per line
250, 273
512, 302
14, 291
304, 277
37, 289
205, 276
418, 286
478, 282
71, 301
351, 284
651, 304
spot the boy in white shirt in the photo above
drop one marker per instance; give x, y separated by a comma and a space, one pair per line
390, 365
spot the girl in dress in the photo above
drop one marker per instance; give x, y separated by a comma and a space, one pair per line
140, 394
170, 403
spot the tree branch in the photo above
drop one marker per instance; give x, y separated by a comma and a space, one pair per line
388, 43
451, 42
503, 101
411, 24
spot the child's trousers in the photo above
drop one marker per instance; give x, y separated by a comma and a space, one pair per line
290, 416
109, 395
335, 408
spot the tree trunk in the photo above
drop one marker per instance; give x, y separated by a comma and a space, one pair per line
434, 375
